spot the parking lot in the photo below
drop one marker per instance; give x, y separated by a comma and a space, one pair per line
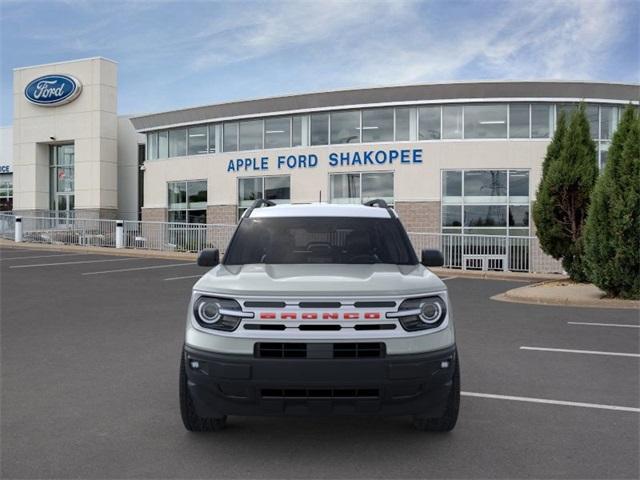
90, 351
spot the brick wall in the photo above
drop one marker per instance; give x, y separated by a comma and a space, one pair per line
419, 216
154, 214
222, 214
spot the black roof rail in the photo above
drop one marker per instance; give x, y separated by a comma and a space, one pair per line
376, 202
380, 203
257, 204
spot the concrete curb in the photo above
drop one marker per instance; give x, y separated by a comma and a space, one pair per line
510, 276
545, 293
125, 252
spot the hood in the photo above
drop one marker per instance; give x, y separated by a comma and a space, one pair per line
320, 280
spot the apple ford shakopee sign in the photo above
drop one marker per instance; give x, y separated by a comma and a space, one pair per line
53, 90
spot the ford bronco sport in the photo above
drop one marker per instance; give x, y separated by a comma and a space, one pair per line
319, 309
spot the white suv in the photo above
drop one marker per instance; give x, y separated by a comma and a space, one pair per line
319, 310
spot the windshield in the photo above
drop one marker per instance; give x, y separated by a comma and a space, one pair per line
344, 240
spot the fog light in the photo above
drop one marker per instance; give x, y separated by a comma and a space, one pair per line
194, 364
444, 364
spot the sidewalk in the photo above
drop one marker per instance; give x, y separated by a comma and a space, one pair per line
565, 293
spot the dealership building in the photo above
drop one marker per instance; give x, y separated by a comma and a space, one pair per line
460, 157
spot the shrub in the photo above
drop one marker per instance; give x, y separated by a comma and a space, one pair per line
612, 233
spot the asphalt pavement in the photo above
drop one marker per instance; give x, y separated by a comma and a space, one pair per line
90, 348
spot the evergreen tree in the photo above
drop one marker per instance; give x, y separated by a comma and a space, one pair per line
563, 197
612, 233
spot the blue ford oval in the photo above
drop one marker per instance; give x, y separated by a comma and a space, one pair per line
51, 90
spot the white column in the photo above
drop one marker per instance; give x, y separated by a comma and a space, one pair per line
119, 234
18, 230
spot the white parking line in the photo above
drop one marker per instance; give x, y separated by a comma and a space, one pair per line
74, 263
42, 256
605, 324
181, 278
589, 352
447, 278
139, 268
551, 402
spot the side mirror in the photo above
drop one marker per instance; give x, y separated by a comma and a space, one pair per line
209, 257
432, 258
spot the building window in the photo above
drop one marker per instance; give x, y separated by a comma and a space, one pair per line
485, 121
276, 188
486, 202
296, 131
61, 179
212, 138
178, 142
251, 135
377, 125
403, 124
197, 140
6, 192
608, 122
361, 187
519, 120
320, 129
429, 123
345, 127
152, 146
163, 144
230, 137
188, 201
541, 120
277, 132
452, 121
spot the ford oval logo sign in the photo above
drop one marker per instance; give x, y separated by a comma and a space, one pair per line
53, 90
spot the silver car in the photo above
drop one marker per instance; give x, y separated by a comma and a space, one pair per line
319, 309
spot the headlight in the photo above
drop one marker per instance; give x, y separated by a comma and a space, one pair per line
421, 313
218, 313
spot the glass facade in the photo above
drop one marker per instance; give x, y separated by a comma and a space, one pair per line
361, 187
275, 188
377, 125
61, 179
486, 202
383, 124
6, 192
187, 201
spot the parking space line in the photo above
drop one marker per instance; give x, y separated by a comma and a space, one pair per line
42, 256
588, 352
605, 324
447, 278
152, 267
74, 263
181, 278
551, 402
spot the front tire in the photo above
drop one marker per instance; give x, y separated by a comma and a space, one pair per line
190, 418
449, 418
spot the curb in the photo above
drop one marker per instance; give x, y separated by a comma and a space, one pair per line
512, 296
507, 276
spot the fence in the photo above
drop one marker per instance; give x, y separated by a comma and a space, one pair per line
488, 252
467, 252
184, 237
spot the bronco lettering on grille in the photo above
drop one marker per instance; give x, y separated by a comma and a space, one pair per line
324, 316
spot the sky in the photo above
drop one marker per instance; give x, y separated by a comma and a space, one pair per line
176, 54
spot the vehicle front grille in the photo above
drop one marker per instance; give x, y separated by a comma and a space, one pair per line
319, 350
311, 393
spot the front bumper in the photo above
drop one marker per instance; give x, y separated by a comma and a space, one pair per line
416, 384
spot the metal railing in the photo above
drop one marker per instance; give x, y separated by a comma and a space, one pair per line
467, 252
7, 226
488, 252
69, 231
181, 237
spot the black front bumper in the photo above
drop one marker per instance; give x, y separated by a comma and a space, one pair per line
416, 384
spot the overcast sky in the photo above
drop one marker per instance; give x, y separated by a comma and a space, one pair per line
186, 53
